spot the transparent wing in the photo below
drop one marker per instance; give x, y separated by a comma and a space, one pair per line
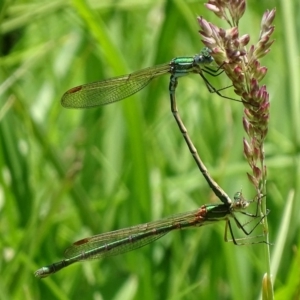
127, 239
111, 90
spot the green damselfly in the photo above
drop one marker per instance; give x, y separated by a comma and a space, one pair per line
127, 239
118, 88
124, 240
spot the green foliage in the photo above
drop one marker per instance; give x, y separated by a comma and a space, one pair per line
68, 174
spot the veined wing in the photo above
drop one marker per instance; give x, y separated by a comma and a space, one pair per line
111, 90
127, 239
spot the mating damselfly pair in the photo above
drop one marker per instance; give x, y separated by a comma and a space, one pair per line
124, 240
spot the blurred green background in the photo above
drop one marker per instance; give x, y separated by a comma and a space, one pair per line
69, 174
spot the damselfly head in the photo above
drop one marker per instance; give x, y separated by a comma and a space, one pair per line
204, 57
239, 201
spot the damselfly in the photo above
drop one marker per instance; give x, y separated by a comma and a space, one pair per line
115, 89
124, 240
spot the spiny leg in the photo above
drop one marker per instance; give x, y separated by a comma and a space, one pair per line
242, 227
212, 89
